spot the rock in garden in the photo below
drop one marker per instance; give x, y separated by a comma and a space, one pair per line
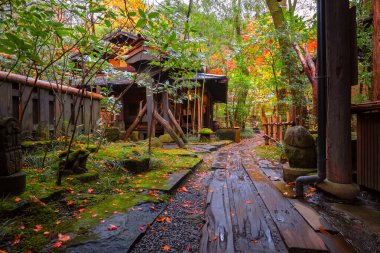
12, 179
300, 148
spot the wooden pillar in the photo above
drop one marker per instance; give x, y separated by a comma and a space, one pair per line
341, 48
165, 106
149, 109
376, 49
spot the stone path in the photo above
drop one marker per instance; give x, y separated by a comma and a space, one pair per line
246, 212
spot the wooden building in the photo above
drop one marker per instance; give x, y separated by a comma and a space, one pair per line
193, 113
43, 106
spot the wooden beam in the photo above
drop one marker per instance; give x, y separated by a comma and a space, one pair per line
169, 129
135, 122
177, 126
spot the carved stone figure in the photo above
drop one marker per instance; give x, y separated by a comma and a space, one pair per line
301, 152
76, 163
12, 179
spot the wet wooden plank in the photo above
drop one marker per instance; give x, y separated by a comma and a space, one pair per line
220, 161
297, 234
315, 220
251, 231
217, 233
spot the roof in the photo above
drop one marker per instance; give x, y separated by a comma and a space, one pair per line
365, 107
15, 78
216, 84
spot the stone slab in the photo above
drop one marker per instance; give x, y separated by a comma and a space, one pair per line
131, 226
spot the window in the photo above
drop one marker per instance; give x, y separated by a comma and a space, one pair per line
51, 112
15, 107
72, 117
36, 111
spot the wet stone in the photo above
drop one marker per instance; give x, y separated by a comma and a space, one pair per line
130, 227
12, 179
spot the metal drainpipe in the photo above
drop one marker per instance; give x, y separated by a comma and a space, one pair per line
322, 103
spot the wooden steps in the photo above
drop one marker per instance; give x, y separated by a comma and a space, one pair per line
246, 212
295, 231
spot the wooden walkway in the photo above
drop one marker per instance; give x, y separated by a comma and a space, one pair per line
246, 212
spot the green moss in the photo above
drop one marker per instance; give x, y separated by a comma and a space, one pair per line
269, 152
112, 134
206, 131
165, 138
156, 142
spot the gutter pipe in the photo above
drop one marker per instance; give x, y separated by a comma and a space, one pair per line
322, 103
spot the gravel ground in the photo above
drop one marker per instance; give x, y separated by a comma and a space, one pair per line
179, 229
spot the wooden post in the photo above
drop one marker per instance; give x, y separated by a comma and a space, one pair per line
135, 122
177, 126
149, 104
165, 105
199, 111
169, 129
376, 49
341, 46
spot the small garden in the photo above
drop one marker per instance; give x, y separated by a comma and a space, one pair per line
48, 217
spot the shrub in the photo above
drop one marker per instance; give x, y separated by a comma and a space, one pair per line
206, 131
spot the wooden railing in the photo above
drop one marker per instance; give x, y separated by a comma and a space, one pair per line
274, 129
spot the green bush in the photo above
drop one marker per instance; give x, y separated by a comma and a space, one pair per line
206, 131
112, 134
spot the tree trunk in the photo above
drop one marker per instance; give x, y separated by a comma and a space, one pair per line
376, 50
309, 69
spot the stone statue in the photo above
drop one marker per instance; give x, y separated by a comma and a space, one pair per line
301, 152
12, 179
76, 163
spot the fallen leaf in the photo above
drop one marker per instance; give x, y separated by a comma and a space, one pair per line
142, 228
37, 228
248, 202
82, 210
312, 189
90, 190
168, 220
70, 203
57, 222
36, 200
18, 199
160, 219
63, 238
46, 233
324, 231
16, 239
166, 248
254, 241
21, 226
182, 189
111, 227
188, 247
57, 245
94, 215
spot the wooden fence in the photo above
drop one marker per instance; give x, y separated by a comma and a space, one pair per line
274, 129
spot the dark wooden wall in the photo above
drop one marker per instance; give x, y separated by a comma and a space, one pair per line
45, 109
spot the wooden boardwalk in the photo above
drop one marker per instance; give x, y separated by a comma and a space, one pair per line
246, 212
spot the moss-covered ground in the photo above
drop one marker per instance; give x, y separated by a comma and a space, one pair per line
32, 220
270, 152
